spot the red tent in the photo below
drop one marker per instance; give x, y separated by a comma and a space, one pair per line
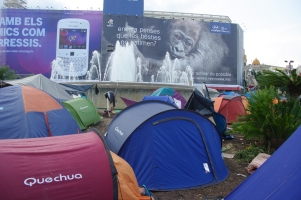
230, 107
77, 166
65, 167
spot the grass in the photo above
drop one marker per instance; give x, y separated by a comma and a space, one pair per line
250, 152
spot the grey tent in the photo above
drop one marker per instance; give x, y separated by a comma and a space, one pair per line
43, 83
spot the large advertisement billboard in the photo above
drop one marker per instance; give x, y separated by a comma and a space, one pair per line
179, 51
60, 44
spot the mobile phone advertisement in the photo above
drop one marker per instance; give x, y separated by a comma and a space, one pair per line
28, 40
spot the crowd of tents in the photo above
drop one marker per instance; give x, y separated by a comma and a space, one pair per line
161, 143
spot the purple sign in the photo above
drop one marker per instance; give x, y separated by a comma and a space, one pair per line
59, 44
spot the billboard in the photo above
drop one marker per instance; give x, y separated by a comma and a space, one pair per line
143, 49
59, 44
123, 7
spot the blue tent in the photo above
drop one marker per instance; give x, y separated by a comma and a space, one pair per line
124, 124
168, 149
278, 178
167, 99
28, 112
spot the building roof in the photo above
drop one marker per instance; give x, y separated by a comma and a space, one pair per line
256, 62
191, 16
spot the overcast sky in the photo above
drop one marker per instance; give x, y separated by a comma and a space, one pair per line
272, 28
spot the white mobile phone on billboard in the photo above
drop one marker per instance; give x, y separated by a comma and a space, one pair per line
72, 47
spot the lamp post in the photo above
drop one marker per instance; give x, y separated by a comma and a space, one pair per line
289, 65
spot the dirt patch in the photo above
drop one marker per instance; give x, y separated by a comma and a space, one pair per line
237, 170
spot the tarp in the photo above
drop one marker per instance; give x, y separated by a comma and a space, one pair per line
77, 166
83, 111
199, 103
75, 89
278, 178
205, 106
171, 149
41, 82
27, 112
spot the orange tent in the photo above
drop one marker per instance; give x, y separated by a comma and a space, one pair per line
128, 187
217, 103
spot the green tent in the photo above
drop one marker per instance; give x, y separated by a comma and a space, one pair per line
83, 111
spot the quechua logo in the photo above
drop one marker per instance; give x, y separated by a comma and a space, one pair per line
60, 178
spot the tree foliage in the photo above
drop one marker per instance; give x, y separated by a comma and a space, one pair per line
7, 74
281, 80
269, 119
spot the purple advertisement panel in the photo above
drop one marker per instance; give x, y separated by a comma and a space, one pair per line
59, 44
142, 49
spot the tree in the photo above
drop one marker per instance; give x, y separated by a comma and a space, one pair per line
7, 74
269, 119
281, 80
